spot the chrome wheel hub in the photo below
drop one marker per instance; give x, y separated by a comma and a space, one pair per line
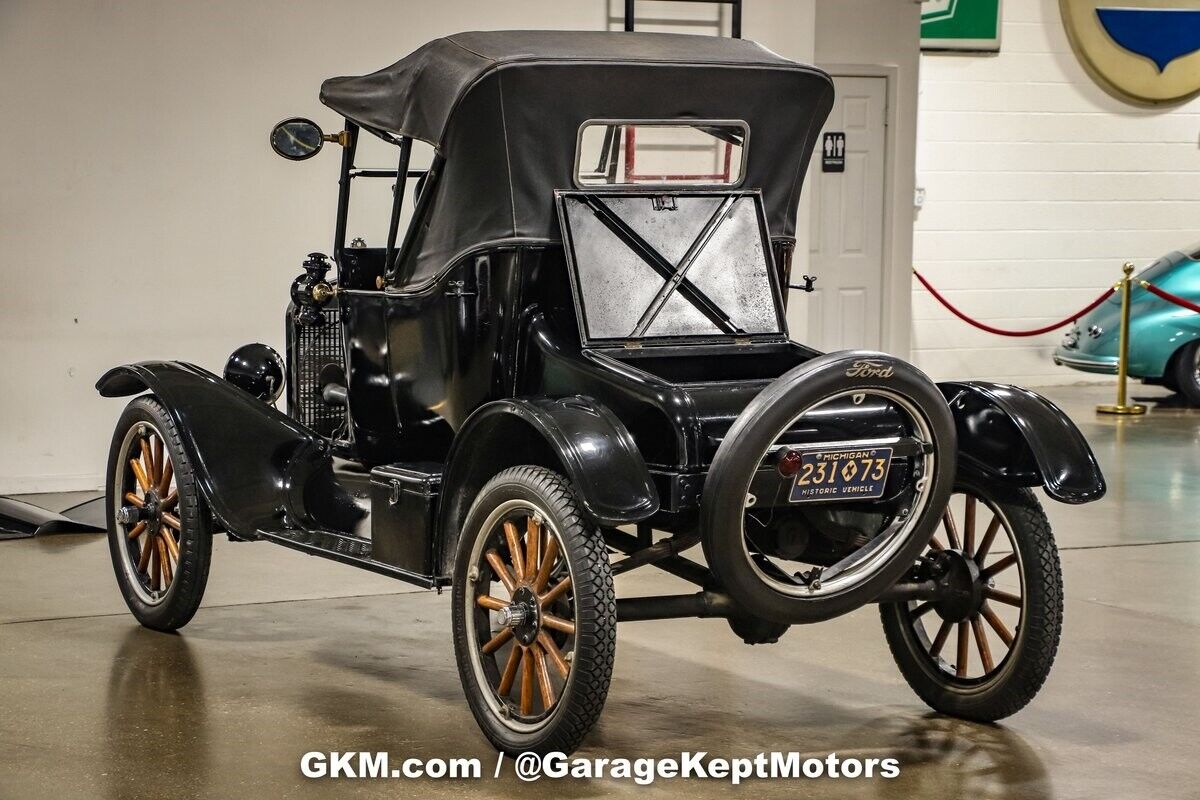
523, 615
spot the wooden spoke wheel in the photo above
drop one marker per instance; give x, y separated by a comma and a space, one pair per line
158, 531
146, 515
984, 646
524, 632
534, 613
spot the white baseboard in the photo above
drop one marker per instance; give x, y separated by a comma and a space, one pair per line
31, 484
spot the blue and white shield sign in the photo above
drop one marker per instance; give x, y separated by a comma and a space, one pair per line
1146, 51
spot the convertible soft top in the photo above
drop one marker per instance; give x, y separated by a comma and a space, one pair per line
418, 94
504, 109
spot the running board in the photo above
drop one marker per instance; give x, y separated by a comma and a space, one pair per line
352, 550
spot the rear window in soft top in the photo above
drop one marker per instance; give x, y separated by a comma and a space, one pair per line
624, 153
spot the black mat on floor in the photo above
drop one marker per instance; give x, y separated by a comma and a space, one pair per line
90, 512
21, 520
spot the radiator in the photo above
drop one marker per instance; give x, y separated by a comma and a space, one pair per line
311, 348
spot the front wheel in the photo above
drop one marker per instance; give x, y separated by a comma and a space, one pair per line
534, 610
984, 649
159, 529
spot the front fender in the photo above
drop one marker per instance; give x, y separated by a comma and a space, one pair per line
1018, 437
575, 435
256, 468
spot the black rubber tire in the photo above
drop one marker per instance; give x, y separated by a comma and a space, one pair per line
195, 543
722, 501
1019, 678
1186, 379
586, 688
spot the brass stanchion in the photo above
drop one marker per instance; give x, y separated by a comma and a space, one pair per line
1122, 407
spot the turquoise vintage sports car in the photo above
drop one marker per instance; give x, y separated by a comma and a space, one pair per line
1164, 340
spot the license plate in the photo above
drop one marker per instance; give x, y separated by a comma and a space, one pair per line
847, 473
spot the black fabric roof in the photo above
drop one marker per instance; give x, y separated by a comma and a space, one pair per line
504, 109
417, 95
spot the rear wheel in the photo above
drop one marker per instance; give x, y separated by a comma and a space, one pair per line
985, 650
1187, 373
534, 614
159, 533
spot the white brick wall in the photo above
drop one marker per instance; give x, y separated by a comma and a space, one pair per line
1038, 186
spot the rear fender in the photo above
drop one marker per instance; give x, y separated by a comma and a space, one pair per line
1018, 437
256, 468
573, 435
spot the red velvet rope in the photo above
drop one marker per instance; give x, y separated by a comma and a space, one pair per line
1170, 298
1000, 331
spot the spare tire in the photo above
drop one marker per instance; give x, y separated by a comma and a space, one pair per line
906, 521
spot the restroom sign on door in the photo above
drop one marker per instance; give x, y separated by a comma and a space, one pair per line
833, 152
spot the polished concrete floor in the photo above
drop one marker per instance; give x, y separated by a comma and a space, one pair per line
291, 654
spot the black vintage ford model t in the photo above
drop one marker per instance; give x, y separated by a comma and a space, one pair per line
577, 350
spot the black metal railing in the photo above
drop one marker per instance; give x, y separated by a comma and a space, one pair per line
735, 23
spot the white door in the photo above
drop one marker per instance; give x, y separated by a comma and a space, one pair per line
846, 235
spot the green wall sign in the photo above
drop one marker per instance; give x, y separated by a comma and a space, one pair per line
972, 25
